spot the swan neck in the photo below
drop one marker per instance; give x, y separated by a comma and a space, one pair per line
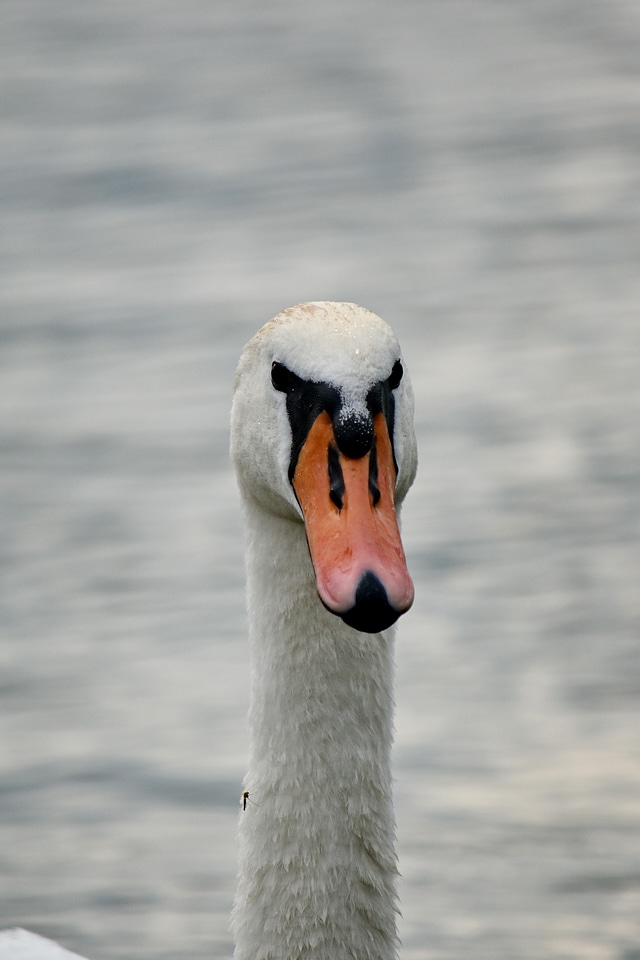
317, 838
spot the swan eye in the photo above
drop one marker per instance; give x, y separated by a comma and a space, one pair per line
396, 375
282, 378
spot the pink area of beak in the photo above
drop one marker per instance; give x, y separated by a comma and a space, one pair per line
358, 543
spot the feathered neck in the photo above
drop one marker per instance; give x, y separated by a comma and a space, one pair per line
317, 838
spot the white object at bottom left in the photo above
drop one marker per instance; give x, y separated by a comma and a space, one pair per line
18, 944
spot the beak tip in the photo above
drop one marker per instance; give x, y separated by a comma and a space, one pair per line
372, 611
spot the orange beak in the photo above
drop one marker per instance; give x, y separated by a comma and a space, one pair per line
352, 528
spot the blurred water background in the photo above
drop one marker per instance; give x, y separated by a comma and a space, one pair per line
171, 176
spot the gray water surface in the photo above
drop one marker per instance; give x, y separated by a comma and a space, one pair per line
171, 176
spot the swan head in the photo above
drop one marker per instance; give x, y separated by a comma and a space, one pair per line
322, 434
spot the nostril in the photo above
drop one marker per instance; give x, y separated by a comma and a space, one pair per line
336, 478
374, 490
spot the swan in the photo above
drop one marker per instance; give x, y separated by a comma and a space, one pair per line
324, 450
